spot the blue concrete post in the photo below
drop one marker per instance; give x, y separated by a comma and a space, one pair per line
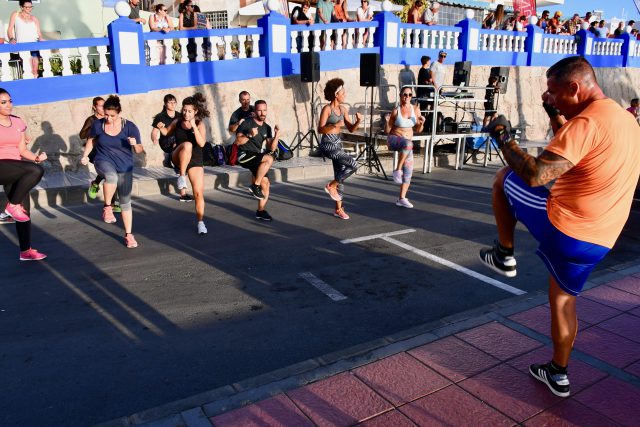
469, 39
275, 44
533, 44
387, 37
128, 60
627, 47
585, 43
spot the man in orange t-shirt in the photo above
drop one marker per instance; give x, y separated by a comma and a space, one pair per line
594, 160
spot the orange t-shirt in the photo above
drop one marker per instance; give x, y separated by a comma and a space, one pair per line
591, 201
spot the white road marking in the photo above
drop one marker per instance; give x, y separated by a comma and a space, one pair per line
322, 286
377, 236
456, 267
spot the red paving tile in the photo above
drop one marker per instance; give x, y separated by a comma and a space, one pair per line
498, 340
613, 297
615, 399
629, 284
570, 413
341, 400
594, 312
611, 348
539, 319
634, 369
581, 374
454, 358
277, 411
400, 378
453, 406
510, 391
392, 418
626, 325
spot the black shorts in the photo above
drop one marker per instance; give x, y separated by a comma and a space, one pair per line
197, 158
250, 160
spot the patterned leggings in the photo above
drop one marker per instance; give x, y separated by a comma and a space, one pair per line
398, 143
343, 164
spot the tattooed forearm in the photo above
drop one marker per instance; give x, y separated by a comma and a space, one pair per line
535, 171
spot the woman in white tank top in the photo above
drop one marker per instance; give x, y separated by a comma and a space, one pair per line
160, 22
25, 28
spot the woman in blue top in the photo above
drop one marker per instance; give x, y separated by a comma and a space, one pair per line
400, 125
115, 139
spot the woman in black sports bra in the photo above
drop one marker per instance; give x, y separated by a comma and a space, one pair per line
191, 136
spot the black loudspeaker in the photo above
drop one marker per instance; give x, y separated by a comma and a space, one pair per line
369, 69
310, 66
502, 73
461, 73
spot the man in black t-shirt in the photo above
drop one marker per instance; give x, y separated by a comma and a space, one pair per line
424, 78
251, 135
242, 113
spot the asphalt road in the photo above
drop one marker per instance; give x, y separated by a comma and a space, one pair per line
98, 331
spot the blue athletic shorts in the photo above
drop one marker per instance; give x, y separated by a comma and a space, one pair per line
569, 260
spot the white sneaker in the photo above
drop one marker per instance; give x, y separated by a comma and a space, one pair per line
397, 177
182, 182
202, 229
404, 203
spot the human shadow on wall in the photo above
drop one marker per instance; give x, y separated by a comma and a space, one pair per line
52, 144
406, 77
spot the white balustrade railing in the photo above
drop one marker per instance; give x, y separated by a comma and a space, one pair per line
57, 58
606, 47
565, 45
201, 46
502, 41
423, 37
332, 37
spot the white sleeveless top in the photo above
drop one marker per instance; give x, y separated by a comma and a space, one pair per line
161, 24
26, 32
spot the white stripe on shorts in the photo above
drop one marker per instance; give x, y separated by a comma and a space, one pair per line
527, 199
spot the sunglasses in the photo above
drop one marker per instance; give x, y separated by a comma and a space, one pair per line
407, 95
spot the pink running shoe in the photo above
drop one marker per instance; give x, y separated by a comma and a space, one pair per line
16, 212
130, 241
340, 213
333, 193
31, 255
107, 215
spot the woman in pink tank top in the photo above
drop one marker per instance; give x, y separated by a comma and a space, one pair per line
19, 173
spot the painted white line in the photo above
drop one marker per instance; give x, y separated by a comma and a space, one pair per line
377, 236
322, 286
456, 267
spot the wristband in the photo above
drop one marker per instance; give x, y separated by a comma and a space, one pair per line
551, 110
501, 136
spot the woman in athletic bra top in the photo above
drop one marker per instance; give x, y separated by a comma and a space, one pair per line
400, 125
160, 22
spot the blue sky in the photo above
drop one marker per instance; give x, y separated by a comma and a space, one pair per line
611, 8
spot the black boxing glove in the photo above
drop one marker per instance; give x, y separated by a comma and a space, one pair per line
500, 130
552, 111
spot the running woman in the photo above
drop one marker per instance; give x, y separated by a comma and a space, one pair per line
190, 137
18, 174
115, 139
403, 121
332, 118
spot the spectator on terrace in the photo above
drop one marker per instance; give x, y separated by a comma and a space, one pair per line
543, 22
593, 28
573, 25
134, 15
602, 31
25, 28
554, 23
430, 16
202, 23
587, 17
495, 20
160, 22
619, 30
364, 14
300, 16
188, 22
324, 11
521, 23
340, 15
414, 16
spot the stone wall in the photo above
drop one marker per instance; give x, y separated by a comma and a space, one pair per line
54, 127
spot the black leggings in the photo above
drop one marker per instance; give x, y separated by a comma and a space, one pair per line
22, 228
21, 177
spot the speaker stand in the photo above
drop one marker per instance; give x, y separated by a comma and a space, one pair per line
369, 157
311, 134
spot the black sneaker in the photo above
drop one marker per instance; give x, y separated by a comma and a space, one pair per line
256, 192
263, 215
558, 383
503, 264
186, 198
